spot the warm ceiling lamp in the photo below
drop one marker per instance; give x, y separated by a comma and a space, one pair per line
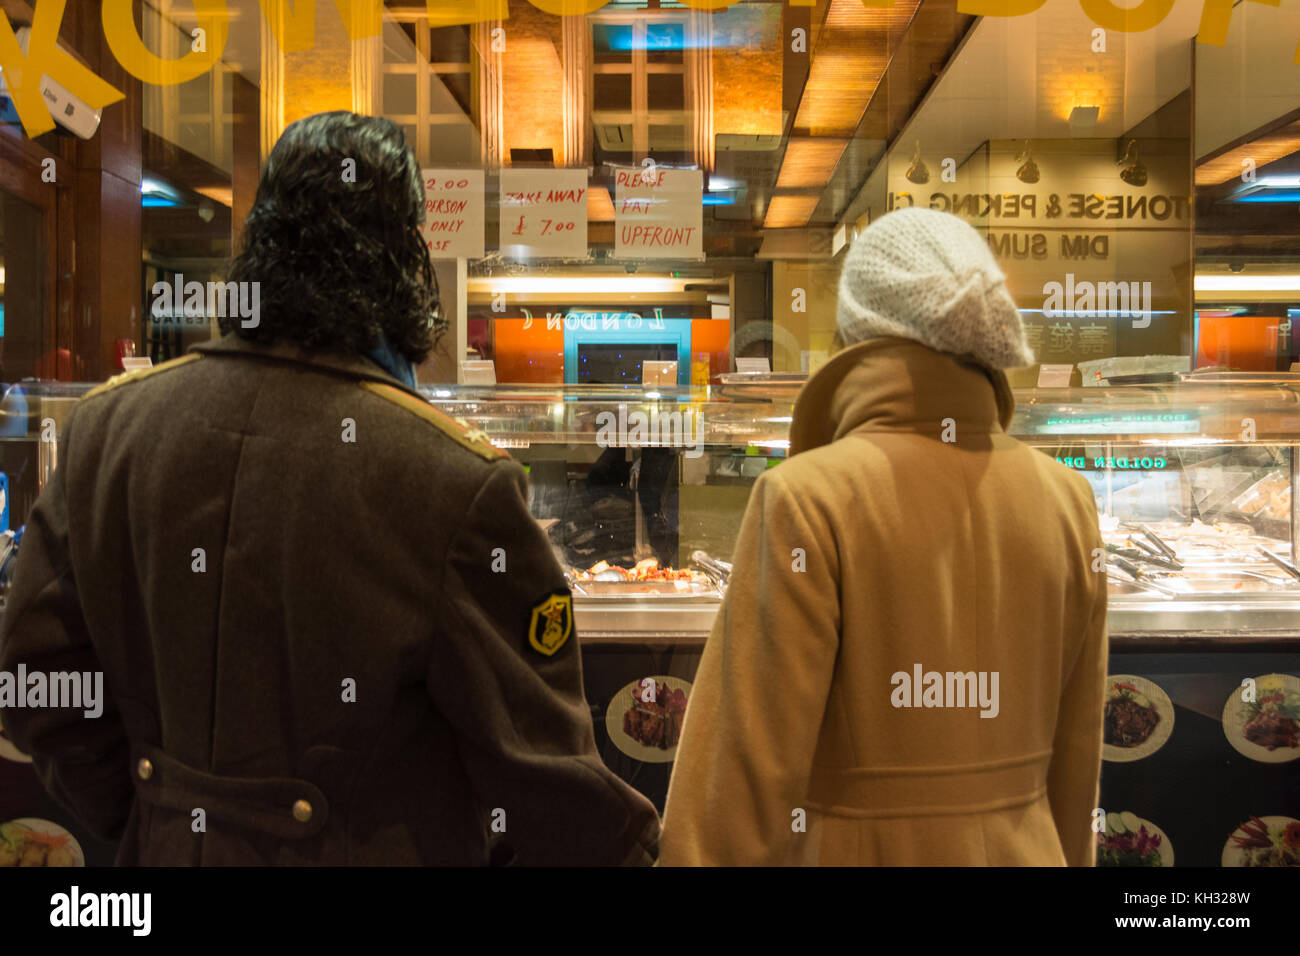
1263, 150
1083, 120
852, 52
807, 162
222, 194
785, 212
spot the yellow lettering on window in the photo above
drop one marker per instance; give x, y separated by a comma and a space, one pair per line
44, 58
294, 26
998, 8
1144, 16
142, 63
452, 13
1215, 16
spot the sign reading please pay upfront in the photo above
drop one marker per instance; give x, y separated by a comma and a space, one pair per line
658, 213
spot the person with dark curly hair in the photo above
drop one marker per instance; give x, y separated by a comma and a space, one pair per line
333, 240
328, 628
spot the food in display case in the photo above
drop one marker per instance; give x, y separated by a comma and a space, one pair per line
1264, 841
1170, 558
32, 842
1128, 840
645, 578
644, 571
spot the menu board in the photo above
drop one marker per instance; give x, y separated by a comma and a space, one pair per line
544, 213
453, 213
658, 213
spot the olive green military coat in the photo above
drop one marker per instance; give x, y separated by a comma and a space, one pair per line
326, 620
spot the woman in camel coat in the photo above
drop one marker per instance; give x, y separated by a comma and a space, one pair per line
908, 667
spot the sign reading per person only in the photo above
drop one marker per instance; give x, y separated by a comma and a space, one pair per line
453, 213
658, 213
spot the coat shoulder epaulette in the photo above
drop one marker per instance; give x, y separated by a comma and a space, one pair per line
141, 374
455, 429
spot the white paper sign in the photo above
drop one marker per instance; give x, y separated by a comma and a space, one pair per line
544, 213
478, 372
658, 213
1054, 376
131, 363
751, 365
453, 213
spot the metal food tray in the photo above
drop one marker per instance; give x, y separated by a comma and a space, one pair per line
647, 589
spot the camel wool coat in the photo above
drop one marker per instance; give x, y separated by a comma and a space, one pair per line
908, 667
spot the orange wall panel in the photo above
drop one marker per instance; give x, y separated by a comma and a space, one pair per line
714, 337
535, 354
1245, 342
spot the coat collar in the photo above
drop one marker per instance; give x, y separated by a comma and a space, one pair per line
893, 384
348, 365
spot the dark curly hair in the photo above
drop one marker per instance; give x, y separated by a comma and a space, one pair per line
339, 256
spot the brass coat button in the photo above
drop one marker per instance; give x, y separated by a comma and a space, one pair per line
144, 768
301, 811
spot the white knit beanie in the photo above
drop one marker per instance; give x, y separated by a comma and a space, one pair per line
926, 275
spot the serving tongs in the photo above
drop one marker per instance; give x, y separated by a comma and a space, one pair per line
1136, 577
1144, 554
1159, 542
1156, 545
718, 571
1280, 561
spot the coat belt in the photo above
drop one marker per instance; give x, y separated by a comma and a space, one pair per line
284, 807
929, 791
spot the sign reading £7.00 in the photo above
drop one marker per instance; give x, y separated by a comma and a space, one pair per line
293, 24
544, 213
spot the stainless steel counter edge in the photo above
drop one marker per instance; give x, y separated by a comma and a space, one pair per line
1167, 625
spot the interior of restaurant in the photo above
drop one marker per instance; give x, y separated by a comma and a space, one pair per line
806, 122
1134, 167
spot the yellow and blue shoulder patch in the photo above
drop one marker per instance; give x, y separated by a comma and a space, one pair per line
551, 622
140, 374
458, 431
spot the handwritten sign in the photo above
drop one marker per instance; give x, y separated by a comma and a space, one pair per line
453, 213
658, 213
544, 213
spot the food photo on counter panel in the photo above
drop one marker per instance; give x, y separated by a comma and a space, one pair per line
657, 434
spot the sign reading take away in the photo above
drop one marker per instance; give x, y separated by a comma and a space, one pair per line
453, 213
544, 213
658, 213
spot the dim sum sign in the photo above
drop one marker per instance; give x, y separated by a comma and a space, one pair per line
294, 26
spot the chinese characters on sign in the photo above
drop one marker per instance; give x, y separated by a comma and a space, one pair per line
1069, 339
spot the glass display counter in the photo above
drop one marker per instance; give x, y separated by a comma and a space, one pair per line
641, 492
1194, 481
